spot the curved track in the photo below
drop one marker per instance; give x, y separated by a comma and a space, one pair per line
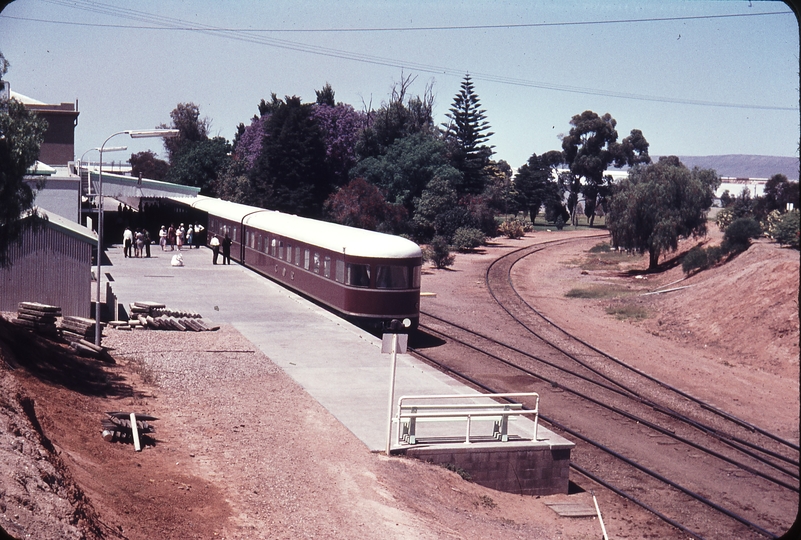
680, 458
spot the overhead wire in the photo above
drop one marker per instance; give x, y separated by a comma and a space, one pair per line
245, 35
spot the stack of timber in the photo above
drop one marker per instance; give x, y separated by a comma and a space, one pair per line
40, 318
127, 427
77, 328
156, 316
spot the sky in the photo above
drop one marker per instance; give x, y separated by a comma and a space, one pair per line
697, 78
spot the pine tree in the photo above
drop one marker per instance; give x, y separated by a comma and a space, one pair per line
468, 132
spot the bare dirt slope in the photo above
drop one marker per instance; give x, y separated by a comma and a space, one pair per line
242, 452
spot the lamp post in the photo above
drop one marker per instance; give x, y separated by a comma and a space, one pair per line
134, 134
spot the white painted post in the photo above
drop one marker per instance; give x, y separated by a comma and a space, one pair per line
393, 358
135, 432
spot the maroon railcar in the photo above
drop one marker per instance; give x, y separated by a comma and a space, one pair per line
364, 275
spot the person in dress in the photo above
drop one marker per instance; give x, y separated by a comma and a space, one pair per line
179, 236
163, 237
190, 233
171, 237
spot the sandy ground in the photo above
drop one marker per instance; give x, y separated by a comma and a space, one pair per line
242, 452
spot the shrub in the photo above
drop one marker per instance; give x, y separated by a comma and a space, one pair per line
512, 228
739, 233
695, 259
787, 229
467, 238
438, 252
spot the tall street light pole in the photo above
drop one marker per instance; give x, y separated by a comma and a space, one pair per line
134, 134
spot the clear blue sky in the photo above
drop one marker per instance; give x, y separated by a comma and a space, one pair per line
695, 83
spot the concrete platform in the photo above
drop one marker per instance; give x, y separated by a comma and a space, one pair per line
337, 363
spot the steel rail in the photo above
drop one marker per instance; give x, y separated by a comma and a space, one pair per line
631, 416
623, 364
628, 461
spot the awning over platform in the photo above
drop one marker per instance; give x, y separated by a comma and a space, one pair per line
126, 187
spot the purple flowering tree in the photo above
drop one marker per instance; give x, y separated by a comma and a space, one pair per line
340, 127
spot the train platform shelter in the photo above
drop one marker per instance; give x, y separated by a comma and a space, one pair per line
342, 367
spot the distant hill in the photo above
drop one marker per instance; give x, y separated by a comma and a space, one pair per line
745, 166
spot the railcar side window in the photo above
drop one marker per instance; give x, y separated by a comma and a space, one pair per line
358, 275
306, 259
273, 247
391, 277
289, 253
281, 249
316, 263
327, 266
340, 271
297, 255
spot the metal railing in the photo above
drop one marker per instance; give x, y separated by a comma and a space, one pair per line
411, 410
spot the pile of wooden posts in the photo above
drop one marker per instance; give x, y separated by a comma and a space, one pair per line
125, 427
77, 328
40, 318
156, 316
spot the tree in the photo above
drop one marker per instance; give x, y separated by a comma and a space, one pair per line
361, 204
779, 192
407, 167
468, 131
340, 127
589, 149
186, 119
290, 173
658, 204
147, 165
21, 135
396, 119
534, 183
200, 164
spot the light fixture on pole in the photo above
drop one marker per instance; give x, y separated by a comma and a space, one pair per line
109, 149
134, 134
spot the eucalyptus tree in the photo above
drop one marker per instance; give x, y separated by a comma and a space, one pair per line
590, 148
658, 204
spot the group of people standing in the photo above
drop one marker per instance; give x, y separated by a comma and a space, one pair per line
137, 241
180, 236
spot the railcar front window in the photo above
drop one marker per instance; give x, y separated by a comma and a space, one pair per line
416, 277
358, 275
391, 277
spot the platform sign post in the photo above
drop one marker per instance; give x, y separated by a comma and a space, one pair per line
392, 342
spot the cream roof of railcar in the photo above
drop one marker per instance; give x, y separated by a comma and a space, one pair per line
331, 236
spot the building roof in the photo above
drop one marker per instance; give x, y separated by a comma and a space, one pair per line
25, 100
65, 226
121, 186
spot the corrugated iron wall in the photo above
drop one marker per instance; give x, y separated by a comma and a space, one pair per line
49, 267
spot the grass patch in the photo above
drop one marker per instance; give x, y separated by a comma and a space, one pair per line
599, 291
637, 313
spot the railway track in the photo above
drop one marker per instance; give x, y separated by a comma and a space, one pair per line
680, 458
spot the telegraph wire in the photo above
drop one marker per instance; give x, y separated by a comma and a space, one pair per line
169, 23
